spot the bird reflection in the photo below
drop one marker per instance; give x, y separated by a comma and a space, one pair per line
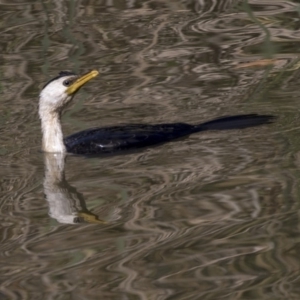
66, 205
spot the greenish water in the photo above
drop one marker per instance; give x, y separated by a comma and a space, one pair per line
213, 216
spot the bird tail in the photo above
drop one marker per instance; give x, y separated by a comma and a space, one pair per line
235, 122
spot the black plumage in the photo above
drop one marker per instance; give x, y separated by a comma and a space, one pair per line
134, 136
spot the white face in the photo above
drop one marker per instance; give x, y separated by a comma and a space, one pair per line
54, 95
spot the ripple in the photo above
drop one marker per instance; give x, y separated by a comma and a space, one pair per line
211, 216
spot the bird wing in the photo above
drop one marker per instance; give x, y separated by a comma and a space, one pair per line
110, 139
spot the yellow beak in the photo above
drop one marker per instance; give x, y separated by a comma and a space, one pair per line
74, 87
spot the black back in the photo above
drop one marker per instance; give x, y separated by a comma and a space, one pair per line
133, 136
116, 138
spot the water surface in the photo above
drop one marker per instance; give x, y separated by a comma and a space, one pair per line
213, 216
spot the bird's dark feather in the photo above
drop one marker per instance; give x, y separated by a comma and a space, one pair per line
133, 136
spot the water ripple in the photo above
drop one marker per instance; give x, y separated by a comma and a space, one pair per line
211, 216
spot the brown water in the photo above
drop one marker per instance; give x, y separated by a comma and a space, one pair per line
214, 216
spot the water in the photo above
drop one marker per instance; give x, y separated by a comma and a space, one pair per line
213, 216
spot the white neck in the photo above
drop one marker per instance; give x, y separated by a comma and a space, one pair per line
52, 134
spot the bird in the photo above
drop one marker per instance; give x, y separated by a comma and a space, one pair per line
60, 91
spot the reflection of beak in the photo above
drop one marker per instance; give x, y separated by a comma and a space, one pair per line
90, 218
74, 87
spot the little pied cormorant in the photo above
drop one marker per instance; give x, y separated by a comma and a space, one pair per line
59, 91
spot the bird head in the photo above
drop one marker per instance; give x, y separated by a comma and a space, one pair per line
60, 90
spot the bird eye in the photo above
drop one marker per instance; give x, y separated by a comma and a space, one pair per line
67, 82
